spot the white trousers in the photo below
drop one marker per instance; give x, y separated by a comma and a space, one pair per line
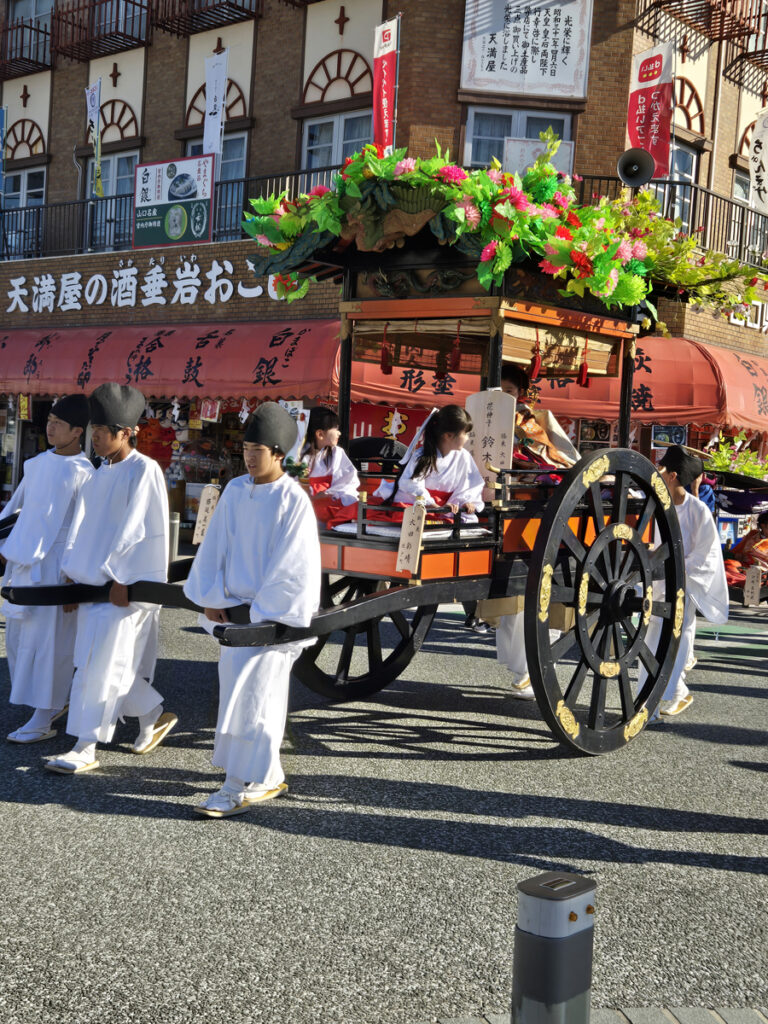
676, 687
40, 643
115, 656
253, 704
510, 645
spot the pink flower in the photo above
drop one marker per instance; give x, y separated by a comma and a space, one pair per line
639, 250
599, 224
561, 200
495, 176
318, 190
263, 240
577, 177
551, 250
624, 252
471, 212
451, 174
610, 284
517, 198
489, 252
547, 210
547, 267
405, 166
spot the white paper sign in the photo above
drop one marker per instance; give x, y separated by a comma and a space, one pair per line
752, 586
209, 497
758, 163
539, 48
409, 548
215, 100
493, 434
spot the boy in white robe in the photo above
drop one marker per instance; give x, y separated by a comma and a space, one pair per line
261, 549
119, 535
40, 641
706, 587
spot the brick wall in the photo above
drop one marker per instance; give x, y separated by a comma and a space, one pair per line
67, 129
687, 322
164, 97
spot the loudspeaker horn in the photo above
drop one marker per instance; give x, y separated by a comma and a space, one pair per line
635, 167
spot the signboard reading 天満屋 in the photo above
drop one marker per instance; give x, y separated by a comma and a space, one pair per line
173, 202
528, 48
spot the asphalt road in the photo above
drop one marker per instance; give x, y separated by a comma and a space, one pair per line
382, 890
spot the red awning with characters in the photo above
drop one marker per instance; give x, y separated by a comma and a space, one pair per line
290, 359
676, 380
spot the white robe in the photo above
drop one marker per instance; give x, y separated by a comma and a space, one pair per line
345, 482
456, 473
40, 641
119, 533
261, 549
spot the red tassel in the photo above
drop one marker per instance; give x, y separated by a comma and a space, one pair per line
386, 359
455, 360
535, 368
583, 378
441, 366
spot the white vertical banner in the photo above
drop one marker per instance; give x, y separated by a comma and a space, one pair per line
758, 163
93, 113
215, 101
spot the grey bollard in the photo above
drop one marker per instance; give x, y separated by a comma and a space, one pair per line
552, 972
174, 522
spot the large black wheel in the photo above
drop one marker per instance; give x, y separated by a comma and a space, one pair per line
366, 657
606, 568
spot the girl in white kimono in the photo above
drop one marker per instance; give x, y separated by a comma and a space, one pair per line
40, 641
442, 472
333, 480
261, 549
706, 587
119, 535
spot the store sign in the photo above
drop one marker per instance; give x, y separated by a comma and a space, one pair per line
527, 49
663, 437
651, 103
173, 202
758, 162
24, 407
134, 284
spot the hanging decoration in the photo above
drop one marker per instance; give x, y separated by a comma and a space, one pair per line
535, 368
583, 378
386, 358
455, 360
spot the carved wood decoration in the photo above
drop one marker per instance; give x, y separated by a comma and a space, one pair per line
234, 105
689, 102
118, 115
24, 138
340, 65
746, 140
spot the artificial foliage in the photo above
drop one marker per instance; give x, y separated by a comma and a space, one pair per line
617, 250
730, 454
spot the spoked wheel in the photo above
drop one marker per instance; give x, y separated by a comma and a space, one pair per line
371, 654
607, 576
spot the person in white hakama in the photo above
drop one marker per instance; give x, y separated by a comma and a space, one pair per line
119, 534
261, 549
706, 587
39, 640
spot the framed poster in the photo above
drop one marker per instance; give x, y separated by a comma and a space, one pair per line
662, 437
173, 202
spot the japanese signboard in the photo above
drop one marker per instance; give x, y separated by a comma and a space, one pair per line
385, 50
215, 100
527, 48
93, 132
758, 163
409, 548
173, 202
493, 434
651, 102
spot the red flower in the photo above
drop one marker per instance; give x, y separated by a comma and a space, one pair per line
347, 162
573, 220
583, 262
753, 282
563, 232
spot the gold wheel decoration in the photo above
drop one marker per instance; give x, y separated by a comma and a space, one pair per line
583, 592
598, 469
622, 532
679, 612
662, 491
636, 725
609, 669
567, 719
545, 594
647, 605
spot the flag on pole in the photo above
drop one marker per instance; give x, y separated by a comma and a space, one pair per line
758, 163
215, 101
386, 48
651, 103
93, 112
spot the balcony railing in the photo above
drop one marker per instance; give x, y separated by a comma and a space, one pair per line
85, 31
714, 19
185, 17
25, 48
105, 225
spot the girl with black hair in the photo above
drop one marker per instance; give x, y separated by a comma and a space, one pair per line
441, 471
333, 480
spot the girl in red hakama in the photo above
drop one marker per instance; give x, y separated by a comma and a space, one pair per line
333, 480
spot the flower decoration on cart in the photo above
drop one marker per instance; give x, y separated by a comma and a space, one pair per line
617, 250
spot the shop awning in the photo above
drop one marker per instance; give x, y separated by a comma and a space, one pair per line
289, 359
676, 380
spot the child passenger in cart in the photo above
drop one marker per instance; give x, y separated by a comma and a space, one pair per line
333, 480
441, 471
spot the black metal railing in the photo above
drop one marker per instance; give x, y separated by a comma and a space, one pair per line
105, 225
87, 29
25, 48
185, 17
